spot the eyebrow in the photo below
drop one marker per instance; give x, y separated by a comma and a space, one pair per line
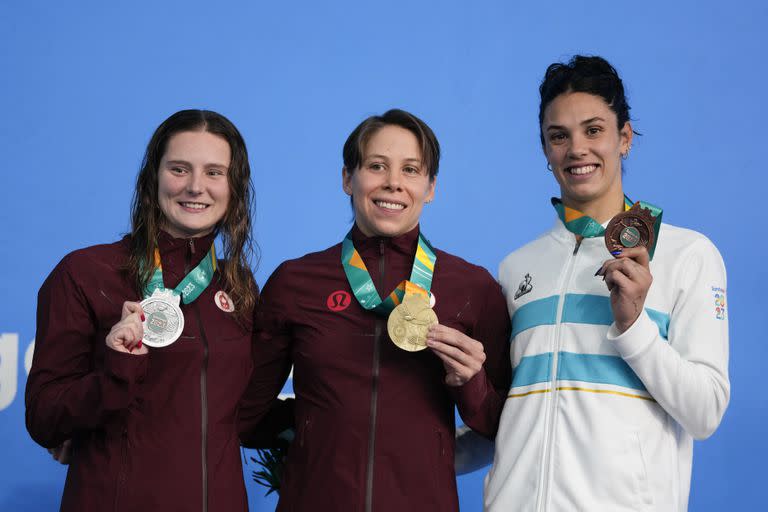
184, 162
583, 123
384, 157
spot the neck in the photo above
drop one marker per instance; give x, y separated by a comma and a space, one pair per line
602, 210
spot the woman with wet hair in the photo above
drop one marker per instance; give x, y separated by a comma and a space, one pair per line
143, 345
619, 325
385, 334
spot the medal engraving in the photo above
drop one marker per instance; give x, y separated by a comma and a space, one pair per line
409, 322
631, 228
164, 321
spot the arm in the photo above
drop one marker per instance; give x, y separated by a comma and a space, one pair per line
260, 414
478, 370
688, 376
64, 392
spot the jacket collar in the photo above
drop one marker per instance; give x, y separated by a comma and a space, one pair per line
405, 243
178, 254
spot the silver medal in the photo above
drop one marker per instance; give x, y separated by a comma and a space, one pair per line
164, 320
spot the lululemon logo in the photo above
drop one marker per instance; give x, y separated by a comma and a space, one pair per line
338, 300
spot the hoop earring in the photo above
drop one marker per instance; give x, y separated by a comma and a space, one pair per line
549, 167
625, 155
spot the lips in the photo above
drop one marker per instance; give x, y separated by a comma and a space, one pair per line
581, 170
389, 205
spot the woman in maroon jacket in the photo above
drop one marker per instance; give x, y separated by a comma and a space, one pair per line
154, 428
375, 422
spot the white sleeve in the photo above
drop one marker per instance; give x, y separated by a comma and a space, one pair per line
688, 376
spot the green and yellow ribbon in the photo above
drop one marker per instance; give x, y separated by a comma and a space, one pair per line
193, 283
583, 225
362, 285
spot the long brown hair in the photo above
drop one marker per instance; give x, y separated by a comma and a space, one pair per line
234, 229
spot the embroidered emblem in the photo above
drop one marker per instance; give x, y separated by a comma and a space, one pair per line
720, 307
525, 287
432, 300
338, 300
223, 302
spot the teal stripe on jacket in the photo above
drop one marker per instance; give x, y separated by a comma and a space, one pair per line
577, 309
593, 368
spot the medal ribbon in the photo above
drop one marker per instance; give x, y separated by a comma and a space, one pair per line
365, 291
193, 283
584, 225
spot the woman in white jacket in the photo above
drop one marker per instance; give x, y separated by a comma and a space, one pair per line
620, 358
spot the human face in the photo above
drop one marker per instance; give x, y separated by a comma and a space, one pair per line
584, 148
193, 183
391, 185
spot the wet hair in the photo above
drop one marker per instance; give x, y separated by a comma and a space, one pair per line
355, 144
592, 75
234, 228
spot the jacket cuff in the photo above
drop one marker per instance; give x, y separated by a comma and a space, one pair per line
470, 395
127, 368
636, 339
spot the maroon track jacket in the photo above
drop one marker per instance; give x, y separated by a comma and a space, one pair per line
153, 432
375, 424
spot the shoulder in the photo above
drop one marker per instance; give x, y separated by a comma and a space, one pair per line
112, 255
682, 244
450, 263
296, 274
531, 250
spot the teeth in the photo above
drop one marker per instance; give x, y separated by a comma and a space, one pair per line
582, 170
194, 206
389, 206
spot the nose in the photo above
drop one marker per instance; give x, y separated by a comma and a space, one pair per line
392, 181
195, 182
577, 147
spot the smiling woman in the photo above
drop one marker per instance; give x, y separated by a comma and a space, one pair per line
130, 415
376, 377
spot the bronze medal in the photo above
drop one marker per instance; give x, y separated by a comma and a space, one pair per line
409, 322
632, 228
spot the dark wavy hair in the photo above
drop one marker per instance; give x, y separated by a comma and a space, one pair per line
355, 144
593, 75
234, 228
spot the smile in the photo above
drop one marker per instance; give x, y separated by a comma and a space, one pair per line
194, 206
584, 169
389, 205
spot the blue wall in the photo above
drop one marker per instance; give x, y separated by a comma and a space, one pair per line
83, 84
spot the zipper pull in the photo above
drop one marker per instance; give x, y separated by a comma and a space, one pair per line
381, 246
192, 245
578, 244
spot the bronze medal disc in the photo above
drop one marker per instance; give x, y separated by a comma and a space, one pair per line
409, 322
632, 228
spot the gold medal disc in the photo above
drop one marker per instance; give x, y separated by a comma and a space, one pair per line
409, 322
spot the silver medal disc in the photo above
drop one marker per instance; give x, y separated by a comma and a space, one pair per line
164, 320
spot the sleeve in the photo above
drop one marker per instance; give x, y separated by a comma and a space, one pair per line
64, 392
260, 412
688, 376
481, 399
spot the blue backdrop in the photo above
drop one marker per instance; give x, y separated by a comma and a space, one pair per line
83, 84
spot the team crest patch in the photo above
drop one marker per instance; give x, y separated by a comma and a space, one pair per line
525, 286
223, 302
720, 306
432, 300
338, 300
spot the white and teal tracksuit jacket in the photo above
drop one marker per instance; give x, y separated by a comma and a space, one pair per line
601, 421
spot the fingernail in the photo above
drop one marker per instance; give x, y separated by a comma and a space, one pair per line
142, 317
616, 252
598, 271
139, 345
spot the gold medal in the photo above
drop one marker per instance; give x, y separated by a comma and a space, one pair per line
409, 322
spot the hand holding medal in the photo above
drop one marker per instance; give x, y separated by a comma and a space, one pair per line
125, 335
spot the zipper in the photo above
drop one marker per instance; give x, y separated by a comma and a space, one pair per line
203, 408
123, 474
203, 388
544, 476
374, 389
